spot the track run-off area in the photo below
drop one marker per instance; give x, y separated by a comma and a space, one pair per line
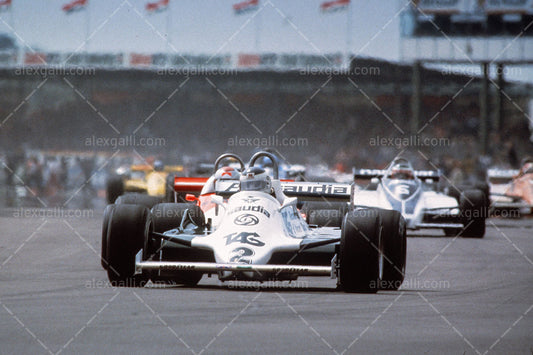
460, 296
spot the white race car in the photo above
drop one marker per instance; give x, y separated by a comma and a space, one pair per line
414, 194
245, 225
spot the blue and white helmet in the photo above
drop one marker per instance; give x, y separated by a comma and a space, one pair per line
256, 179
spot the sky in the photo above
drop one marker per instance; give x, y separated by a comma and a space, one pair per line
210, 26
202, 26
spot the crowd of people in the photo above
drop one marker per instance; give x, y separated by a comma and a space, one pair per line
78, 178
49, 179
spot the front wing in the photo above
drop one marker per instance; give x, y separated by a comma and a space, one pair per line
300, 270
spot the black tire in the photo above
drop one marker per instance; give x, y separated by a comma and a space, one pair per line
456, 191
138, 199
114, 188
105, 223
324, 214
485, 188
452, 232
169, 188
360, 253
164, 217
473, 211
394, 248
125, 237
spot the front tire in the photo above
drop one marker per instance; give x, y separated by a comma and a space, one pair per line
474, 211
361, 252
395, 249
125, 236
105, 223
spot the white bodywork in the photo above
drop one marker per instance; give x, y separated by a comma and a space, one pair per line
247, 230
410, 192
427, 201
253, 222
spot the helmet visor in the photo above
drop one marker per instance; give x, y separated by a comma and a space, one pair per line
254, 185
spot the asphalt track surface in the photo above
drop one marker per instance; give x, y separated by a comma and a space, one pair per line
461, 296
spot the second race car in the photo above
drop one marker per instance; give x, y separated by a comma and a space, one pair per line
414, 194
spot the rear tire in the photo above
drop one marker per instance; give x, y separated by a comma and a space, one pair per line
138, 199
360, 253
114, 188
169, 188
125, 236
474, 211
395, 248
325, 214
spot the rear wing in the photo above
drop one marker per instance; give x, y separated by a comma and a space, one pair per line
148, 168
189, 185
378, 173
428, 175
368, 173
319, 191
305, 191
502, 174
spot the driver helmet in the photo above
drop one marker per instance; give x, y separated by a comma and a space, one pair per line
158, 165
401, 172
227, 173
256, 179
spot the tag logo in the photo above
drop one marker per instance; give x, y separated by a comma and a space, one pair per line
246, 219
244, 238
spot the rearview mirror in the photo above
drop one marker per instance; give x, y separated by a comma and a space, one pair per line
191, 198
218, 200
289, 201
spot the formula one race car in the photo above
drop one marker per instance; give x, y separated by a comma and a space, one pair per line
512, 190
156, 181
401, 188
244, 225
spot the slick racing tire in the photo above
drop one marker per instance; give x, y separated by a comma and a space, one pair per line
394, 248
105, 223
361, 252
114, 188
456, 191
164, 217
473, 211
125, 237
169, 188
138, 199
452, 232
325, 214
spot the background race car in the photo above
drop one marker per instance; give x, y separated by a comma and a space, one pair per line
415, 194
153, 180
511, 191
